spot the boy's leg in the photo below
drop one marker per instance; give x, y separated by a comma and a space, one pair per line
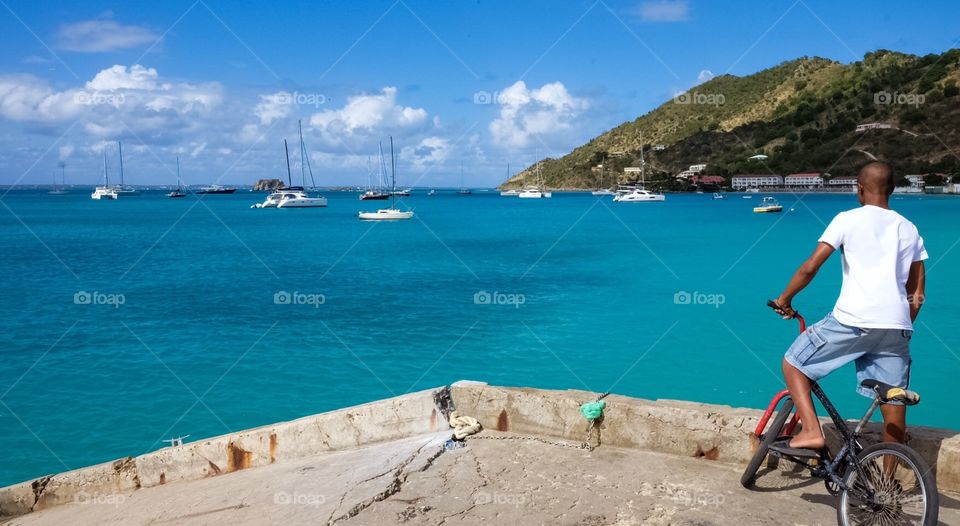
810, 435
894, 422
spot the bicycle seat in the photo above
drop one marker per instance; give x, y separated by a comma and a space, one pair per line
890, 393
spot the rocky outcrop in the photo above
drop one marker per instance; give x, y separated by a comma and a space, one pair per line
268, 185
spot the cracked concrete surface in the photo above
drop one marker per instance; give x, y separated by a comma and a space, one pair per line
414, 481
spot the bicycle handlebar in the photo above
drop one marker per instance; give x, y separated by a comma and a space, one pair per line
796, 315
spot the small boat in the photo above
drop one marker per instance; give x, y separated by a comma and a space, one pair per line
638, 194
432, 192
393, 213
718, 195
179, 191
510, 193
374, 195
753, 190
746, 197
402, 193
463, 190
603, 191
123, 189
59, 190
106, 191
768, 205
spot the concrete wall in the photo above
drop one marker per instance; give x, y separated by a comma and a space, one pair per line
715, 432
384, 420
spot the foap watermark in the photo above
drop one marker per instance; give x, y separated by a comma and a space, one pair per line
282, 297
886, 98
300, 99
696, 297
484, 297
299, 499
82, 297
695, 97
88, 499
99, 98
694, 497
501, 499
484, 97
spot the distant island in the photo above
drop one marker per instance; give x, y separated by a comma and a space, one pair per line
809, 115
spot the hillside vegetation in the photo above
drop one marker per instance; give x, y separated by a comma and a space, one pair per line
802, 114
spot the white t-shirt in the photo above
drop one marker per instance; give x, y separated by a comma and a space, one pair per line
878, 246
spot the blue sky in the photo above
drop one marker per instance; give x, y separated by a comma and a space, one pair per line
222, 84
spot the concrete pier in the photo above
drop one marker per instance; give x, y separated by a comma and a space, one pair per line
659, 462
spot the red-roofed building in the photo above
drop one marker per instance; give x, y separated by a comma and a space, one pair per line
707, 179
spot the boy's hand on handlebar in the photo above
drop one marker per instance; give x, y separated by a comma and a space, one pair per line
783, 308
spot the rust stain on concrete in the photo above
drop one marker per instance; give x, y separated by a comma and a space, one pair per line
273, 447
710, 454
237, 458
503, 421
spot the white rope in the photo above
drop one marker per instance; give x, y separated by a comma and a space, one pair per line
463, 426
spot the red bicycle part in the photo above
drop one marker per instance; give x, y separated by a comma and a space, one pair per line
769, 412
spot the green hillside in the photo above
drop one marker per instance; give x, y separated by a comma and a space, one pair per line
802, 114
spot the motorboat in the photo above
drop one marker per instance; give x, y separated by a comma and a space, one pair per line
297, 197
603, 191
510, 193
718, 195
215, 189
534, 192
768, 205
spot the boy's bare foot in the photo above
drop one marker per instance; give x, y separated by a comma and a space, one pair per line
807, 441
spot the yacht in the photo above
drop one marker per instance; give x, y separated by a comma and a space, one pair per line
376, 192
718, 195
602, 191
123, 189
638, 194
106, 191
463, 190
294, 196
768, 205
216, 189
510, 193
393, 213
401, 193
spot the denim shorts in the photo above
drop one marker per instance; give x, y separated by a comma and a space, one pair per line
880, 354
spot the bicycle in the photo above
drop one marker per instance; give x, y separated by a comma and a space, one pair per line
884, 483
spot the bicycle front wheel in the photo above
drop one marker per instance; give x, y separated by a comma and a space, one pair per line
749, 476
896, 487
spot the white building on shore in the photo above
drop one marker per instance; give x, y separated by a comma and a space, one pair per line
694, 169
805, 180
742, 182
843, 180
873, 126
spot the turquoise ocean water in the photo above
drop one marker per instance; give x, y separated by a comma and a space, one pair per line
199, 346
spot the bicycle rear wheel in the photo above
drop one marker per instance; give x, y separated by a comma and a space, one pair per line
773, 432
897, 487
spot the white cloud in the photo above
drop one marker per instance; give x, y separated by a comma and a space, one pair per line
664, 11
96, 36
66, 151
368, 113
121, 77
705, 75
528, 113
429, 152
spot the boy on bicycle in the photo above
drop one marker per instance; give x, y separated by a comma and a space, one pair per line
872, 321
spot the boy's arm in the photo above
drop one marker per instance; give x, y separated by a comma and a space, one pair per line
802, 277
916, 288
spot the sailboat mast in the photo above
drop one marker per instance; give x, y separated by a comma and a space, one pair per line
120, 148
178, 173
303, 175
106, 176
393, 174
286, 152
643, 164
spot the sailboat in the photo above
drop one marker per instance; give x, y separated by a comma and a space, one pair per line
392, 213
638, 194
59, 190
296, 196
537, 191
602, 191
179, 191
463, 190
121, 188
378, 193
511, 192
106, 191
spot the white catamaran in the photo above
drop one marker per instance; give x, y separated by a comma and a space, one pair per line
638, 194
106, 191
